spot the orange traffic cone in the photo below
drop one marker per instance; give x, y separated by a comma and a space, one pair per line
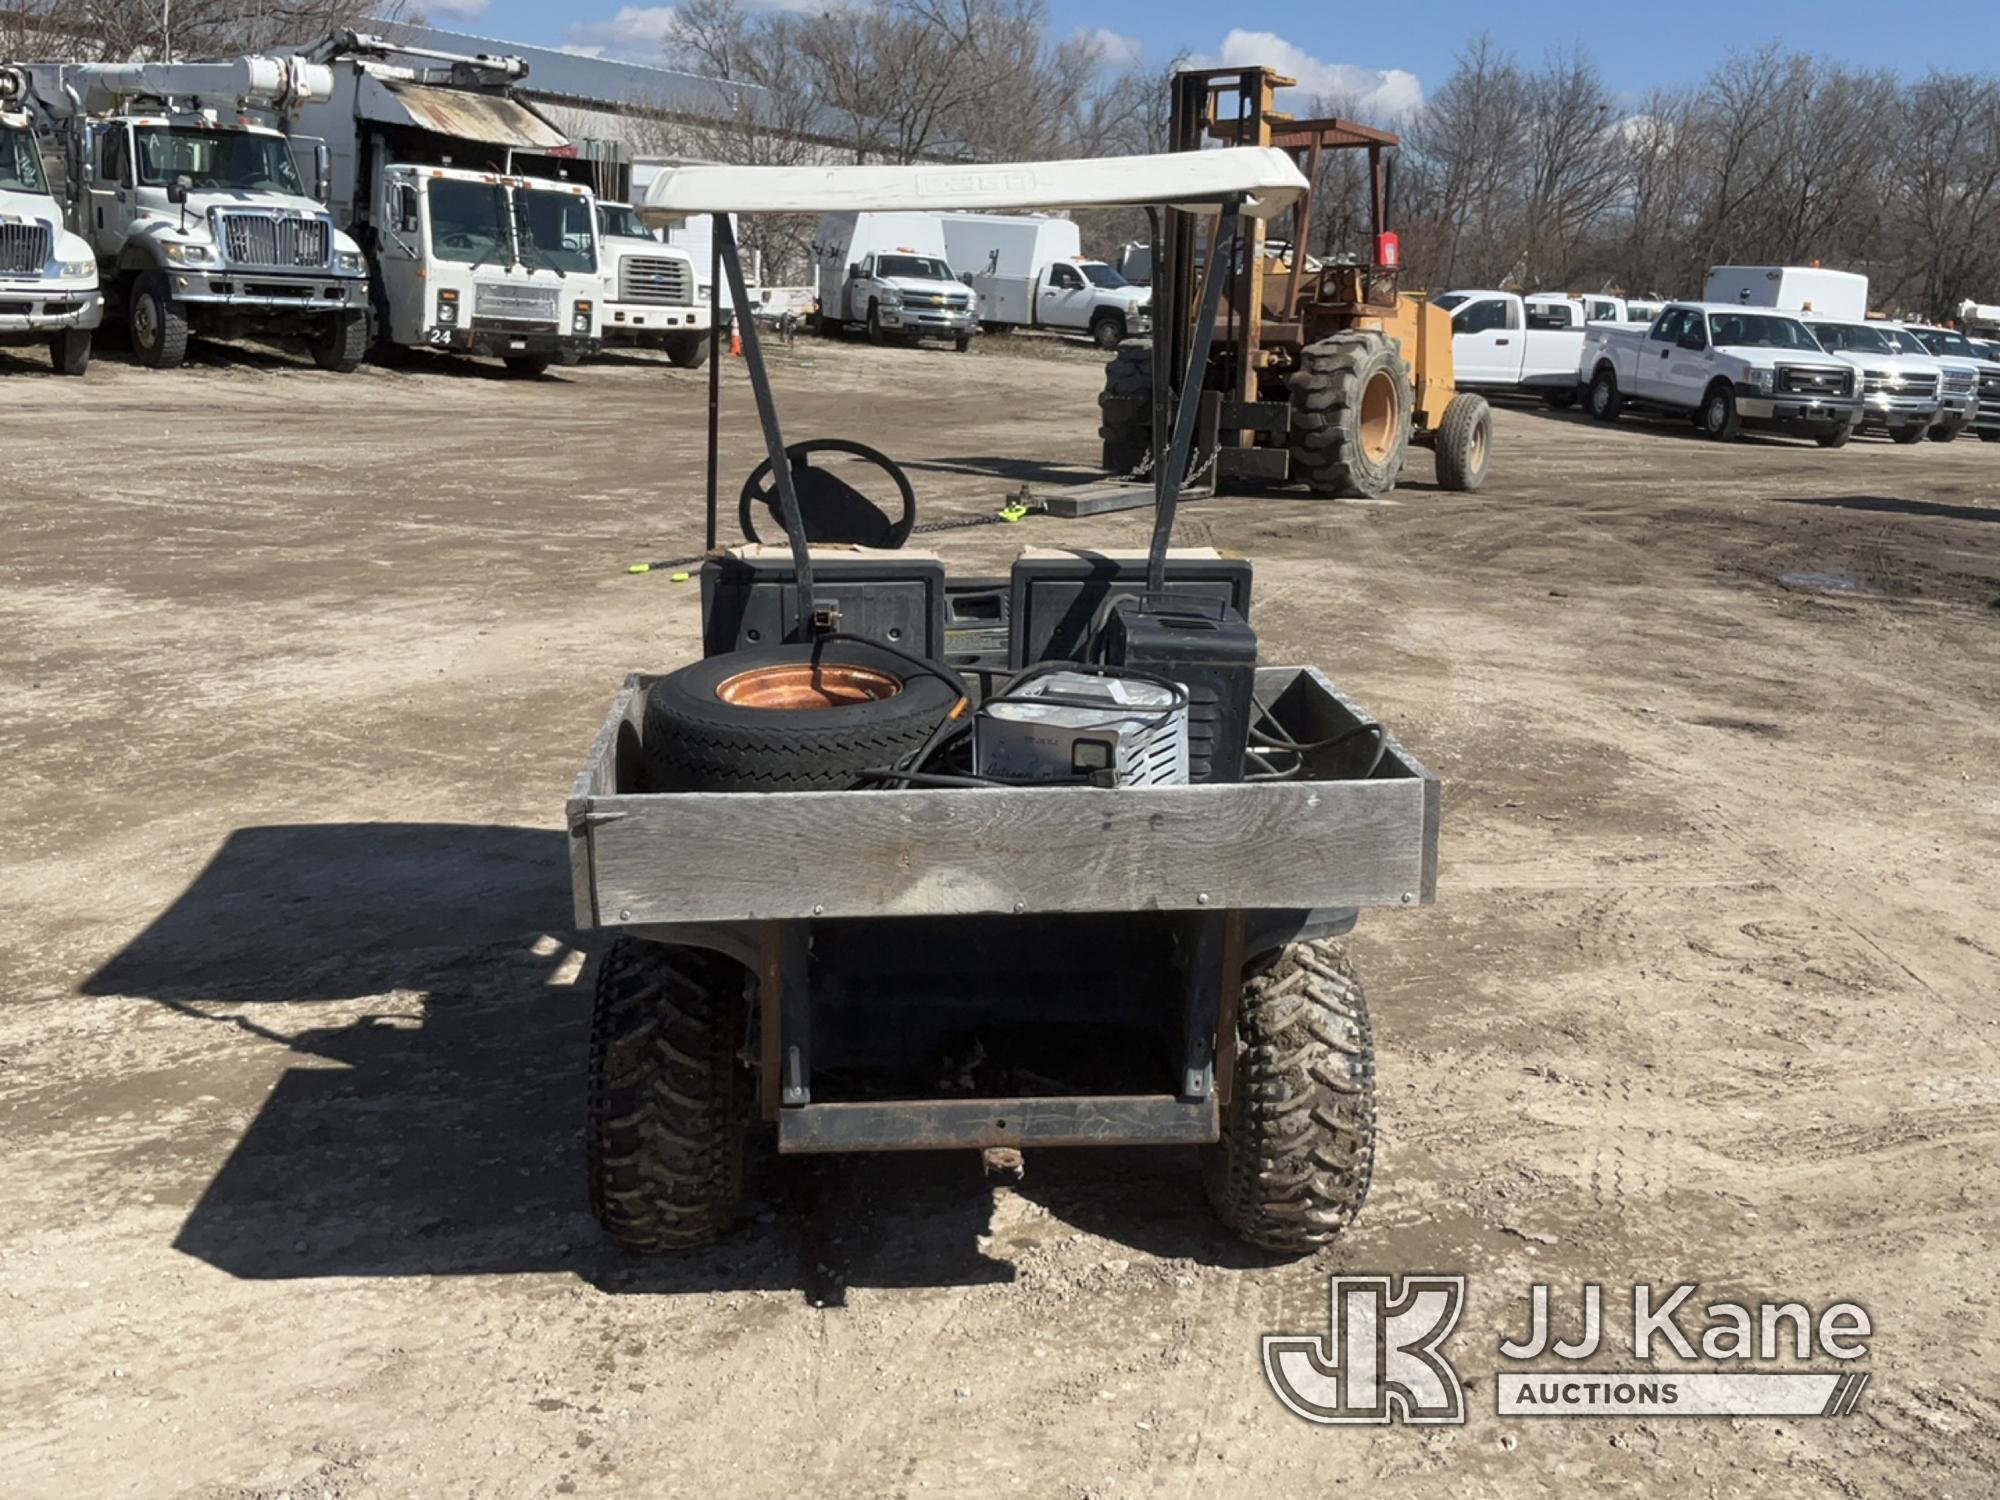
735, 342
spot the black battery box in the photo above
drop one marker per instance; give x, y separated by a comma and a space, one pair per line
1208, 648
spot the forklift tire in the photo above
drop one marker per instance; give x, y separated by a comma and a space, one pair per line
529, 366
1351, 411
1464, 443
1128, 377
69, 351
158, 323
340, 342
1297, 1150
670, 1100
686, 351
760, 719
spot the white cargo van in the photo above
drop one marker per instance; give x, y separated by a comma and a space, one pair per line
889, 273
1030, 272
1839, 295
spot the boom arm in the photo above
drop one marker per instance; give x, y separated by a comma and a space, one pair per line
242, 82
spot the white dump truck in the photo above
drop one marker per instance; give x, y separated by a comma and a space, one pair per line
468, 252
1726, 366
195, 206
1030, 272
889, 273
48, 275
654, 293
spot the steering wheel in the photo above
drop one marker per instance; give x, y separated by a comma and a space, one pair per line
458, 239
831, 509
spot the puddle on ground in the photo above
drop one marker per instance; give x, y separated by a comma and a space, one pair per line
1826, 583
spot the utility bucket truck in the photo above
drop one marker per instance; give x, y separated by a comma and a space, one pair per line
48, 276
468, 253
198, 214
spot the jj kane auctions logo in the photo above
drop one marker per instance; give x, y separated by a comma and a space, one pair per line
1382, 1358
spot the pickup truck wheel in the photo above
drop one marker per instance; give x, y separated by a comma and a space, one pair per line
1297, 1150
1351, 408
1942, 434
1108, 330
670, 1100
1128, 378
1605, 400
158, 323
69, 351
686, 351
339, 342
1989, 435
1907, 434
1836, 438
1718, 413
787, 718
962, 342
1464, 442
528, 365
875, 333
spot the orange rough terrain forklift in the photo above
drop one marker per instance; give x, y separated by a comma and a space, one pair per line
1318, 374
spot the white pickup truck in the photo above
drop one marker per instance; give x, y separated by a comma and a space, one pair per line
1902, 394
1954, 350
1727, 367
1502, 342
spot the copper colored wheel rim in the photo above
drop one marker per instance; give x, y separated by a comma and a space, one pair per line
797, 685
1379, 417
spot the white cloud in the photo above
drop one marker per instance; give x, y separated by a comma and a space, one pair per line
1117, 49
457, 10
1374, 94
639, 32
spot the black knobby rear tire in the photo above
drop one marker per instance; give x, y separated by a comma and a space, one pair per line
340, 342
1464, 442
695, 741
69, 351
1128, 378
670, 1099
1297, 1150
686, 351
528, 366
1351, 409
158, 323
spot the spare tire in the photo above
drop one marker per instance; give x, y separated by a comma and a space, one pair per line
787, 718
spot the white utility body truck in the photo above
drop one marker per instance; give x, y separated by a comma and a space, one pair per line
196, 209
1030, 272
48, 275
469, 252
1726, 366
654, 293
1503, 342
889, 273
1840, 295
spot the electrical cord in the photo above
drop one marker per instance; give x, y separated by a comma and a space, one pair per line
1276, 739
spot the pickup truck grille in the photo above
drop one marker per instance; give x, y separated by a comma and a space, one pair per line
1958, 382
1989, 397
1910, 385
644, 278
499, 300
935, 300
24, 249
1797, 380
266, 240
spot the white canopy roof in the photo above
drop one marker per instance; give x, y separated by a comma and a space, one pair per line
1266, 177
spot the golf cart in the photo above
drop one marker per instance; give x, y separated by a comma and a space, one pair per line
910, 862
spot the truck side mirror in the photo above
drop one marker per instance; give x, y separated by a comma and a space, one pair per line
322, 173
177, 190
853, 270
406, 208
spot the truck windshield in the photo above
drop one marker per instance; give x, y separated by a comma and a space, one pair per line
20, 162
469, 221
916, 267
556, 229
1102, 275
1947, 341
616, 218
1851, 338
1758, 331
1905, 342
215, 160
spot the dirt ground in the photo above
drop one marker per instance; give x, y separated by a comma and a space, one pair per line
297, 670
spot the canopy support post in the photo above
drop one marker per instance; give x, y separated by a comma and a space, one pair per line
767, 417
714, 369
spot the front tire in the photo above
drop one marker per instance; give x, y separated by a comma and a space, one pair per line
158, 324
1942, 434
686, 351
1836, 438
875, 334
1718, 414
962, 342
69, 351
1297, 1150
1989, 435
670, 1099
1907, 435
340, 342
1107, 330
1606, 402
1464, 442
1351, 405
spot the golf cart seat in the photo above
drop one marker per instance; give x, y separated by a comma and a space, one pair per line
831, 509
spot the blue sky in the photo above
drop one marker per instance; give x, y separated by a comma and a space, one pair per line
1394, 61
